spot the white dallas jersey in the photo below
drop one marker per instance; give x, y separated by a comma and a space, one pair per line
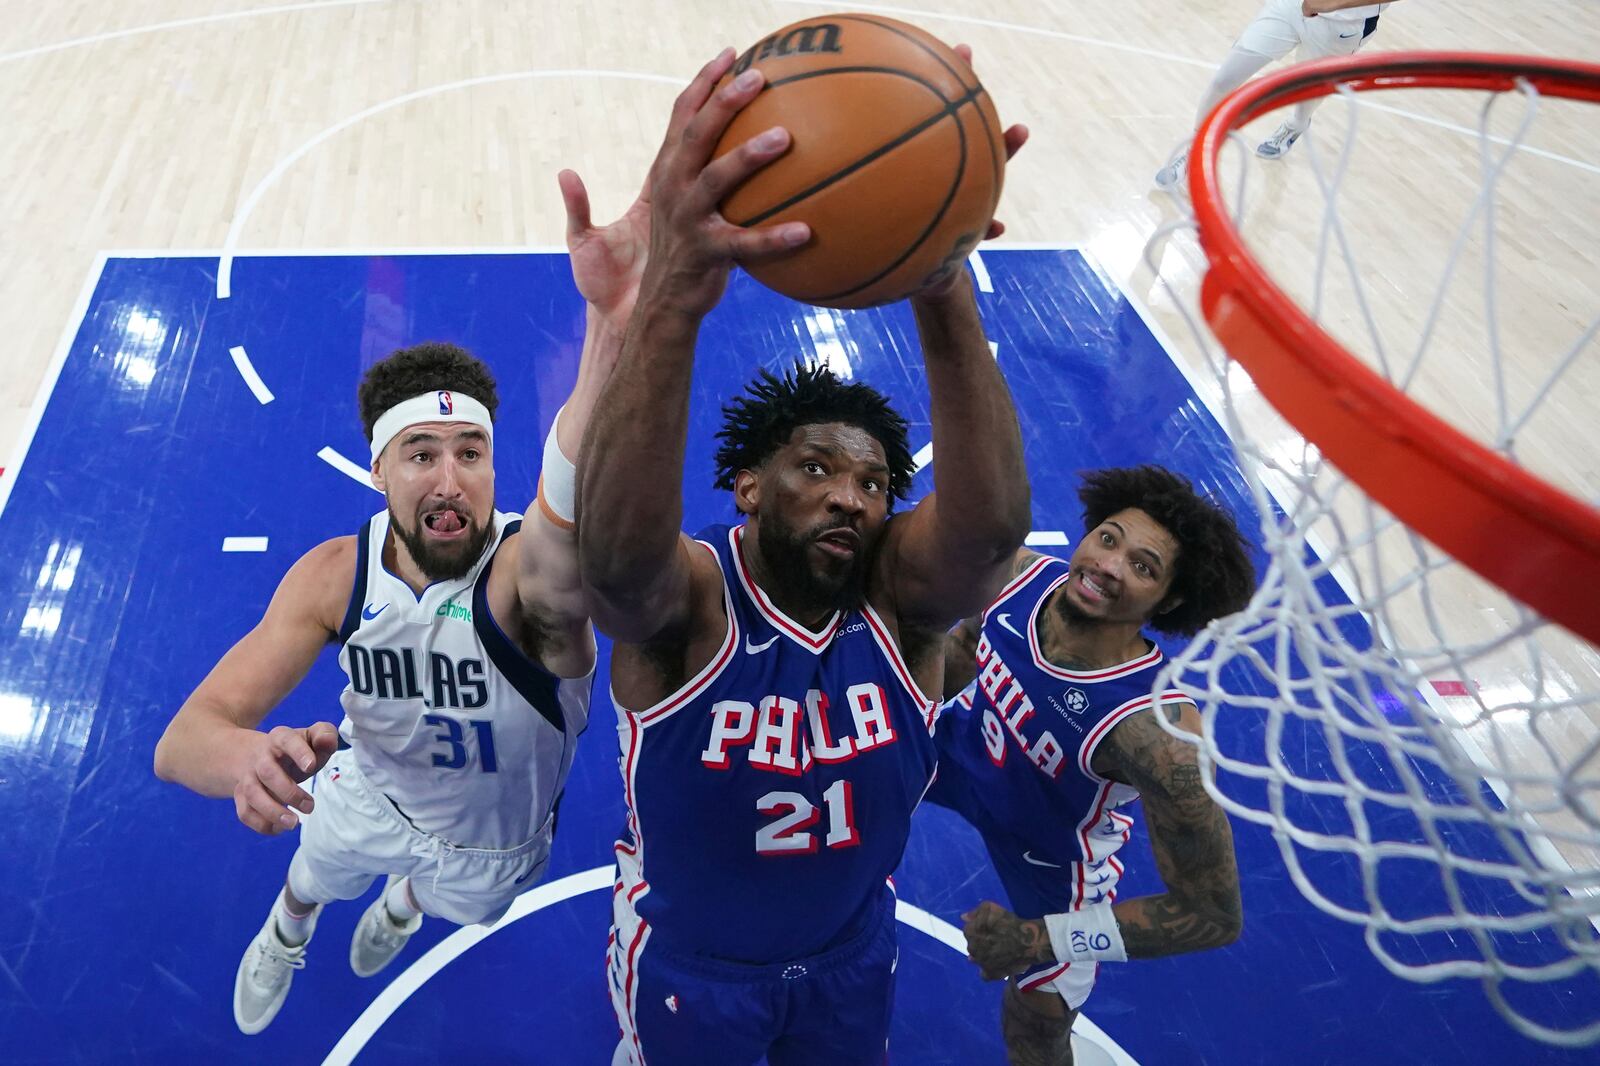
1354, 14
446, 716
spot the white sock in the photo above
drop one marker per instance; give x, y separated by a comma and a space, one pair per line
398, 902
295, 930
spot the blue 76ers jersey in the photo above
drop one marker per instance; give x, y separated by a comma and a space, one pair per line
1023, 735
770, 797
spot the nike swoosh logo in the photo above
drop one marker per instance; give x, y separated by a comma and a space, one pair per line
1005, 624
537, 867
757, 649
369, 614
1027, 857
1346, 36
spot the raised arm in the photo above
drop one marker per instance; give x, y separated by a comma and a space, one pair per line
1193, 846
951, 554
213, 745
607, 263
633, 558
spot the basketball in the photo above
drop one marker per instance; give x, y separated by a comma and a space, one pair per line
896, 160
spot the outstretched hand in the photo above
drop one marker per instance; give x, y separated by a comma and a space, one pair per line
607, 261
692, 247
270, 784
1003, 944
1015, 137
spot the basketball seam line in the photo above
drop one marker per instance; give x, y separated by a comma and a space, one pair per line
949, 110
894, 27
933, 224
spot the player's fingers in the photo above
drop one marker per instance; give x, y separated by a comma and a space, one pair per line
694, 97
965, 52
272, 816
290, 744
281, 787
323, 738
576, 200
721, 177
248, 816
988, 912
1015, 138
996, 227
768, 242
704, 130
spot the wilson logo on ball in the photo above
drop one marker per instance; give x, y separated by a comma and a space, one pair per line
896, 159
801, 40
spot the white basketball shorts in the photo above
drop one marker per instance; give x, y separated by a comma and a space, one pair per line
1279, 29
355, 834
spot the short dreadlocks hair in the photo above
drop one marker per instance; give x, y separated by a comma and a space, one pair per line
761, 420
1212, 573
423, 368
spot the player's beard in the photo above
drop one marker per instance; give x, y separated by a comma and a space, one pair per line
440, 562
792, 569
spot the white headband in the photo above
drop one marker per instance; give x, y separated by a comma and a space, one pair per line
441, 406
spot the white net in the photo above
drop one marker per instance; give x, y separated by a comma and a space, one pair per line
1425, 749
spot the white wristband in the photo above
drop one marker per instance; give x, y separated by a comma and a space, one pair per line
1087, 935
558, 481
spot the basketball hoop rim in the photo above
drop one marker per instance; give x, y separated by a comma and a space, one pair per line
1468, 499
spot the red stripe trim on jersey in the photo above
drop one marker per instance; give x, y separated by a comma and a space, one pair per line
1038, 564
814, 642
1045, 978
1098, 733
630, 765
630, 984
698, 683
880, 633
1083, 832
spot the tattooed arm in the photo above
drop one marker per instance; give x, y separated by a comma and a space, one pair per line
1189, 834
1193, 846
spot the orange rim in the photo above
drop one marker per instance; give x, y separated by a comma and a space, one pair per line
1533, 540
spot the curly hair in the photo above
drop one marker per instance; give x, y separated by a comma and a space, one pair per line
759, 422
423, 368
1212, 574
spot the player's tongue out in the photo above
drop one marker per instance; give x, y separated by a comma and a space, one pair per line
446, 521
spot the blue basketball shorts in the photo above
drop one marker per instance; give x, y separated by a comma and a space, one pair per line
829, 1009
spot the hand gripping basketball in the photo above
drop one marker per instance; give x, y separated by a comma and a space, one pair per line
692, 247
270, 783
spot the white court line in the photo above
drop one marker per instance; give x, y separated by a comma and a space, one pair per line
47, 385
1098, 42
156, 27
244, 544
247, 370
1047, 538
980, 272
602, 877
353, 471
225, 266
1117, 46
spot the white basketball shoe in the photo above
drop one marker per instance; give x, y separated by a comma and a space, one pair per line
1277, 146
262, 983
1170, 178
378, 937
